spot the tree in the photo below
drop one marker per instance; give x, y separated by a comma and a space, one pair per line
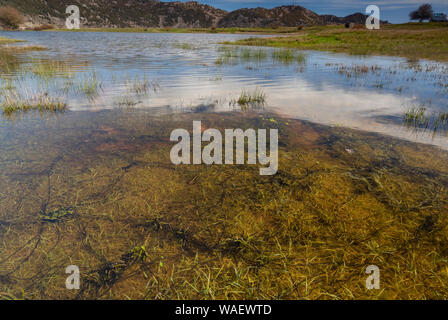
423, 13
10, 17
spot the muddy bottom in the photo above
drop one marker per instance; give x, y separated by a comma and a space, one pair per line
98, 190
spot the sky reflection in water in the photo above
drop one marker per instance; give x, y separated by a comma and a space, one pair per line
368, 93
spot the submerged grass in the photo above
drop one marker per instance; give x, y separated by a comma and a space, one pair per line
11, 104
141, 228
99, 191
4, 40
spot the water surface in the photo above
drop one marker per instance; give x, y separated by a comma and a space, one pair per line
94, 186
186, 71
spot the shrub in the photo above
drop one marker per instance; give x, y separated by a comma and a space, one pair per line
43, 27
10, 17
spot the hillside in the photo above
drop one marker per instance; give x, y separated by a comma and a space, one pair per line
261, 17
152, 13
120, 13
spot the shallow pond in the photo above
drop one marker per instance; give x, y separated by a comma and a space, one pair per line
94, 186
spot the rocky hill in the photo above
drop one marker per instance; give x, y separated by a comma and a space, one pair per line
357, 18
261, 17
120, 13
152, 13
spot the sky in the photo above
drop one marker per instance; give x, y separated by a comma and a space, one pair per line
395, 11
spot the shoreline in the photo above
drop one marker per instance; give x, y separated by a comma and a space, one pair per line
268, 31
411, 40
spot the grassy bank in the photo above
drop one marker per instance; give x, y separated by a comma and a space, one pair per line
4, 40
413, 40
282, 30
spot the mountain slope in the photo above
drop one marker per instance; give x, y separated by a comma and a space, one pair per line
152, 13
261, 17
120, 13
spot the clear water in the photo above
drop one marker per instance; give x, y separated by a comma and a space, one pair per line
90, 186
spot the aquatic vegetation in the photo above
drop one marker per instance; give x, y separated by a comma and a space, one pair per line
56, 215
141, 86
49, 69
441, 121
417, 118
4, 40
185, 46
12, 103
98, 190
9, 296
228, 55
248, 54
8, 62
7, 84
146, 229
256, 98
357, 70
300, 58
259, 54
233, 55
110, 273
219, 61
288, 56
89, 85
21, 49
229, 52
285, 56
127, 101
245, 54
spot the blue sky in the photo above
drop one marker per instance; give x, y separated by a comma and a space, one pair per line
393, 10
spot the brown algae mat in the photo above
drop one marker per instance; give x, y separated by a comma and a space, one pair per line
97, 190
